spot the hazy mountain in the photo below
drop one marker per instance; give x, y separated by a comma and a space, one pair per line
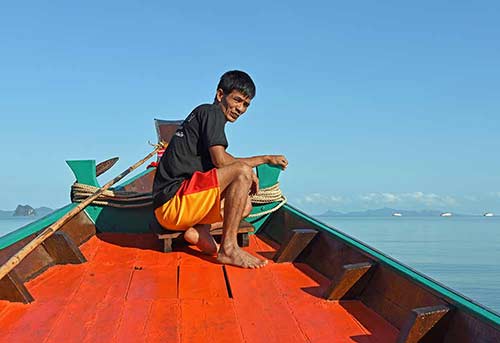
384, 212
25, 210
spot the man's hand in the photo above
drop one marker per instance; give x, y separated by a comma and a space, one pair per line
254, 189
278, 160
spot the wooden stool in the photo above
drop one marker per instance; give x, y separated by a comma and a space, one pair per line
168, 235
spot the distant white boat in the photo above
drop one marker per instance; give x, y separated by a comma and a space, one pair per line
446, 214
397, 214
488, 214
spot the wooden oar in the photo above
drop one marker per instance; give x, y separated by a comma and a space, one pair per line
21, 254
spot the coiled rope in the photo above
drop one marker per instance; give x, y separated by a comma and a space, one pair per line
112, 198
127, 199
266, 196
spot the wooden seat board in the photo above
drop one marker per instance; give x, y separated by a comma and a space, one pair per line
130, 292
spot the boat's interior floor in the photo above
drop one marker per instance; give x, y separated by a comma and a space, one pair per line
128, 291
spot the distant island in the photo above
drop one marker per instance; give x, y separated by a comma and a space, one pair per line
385, 212
25, 211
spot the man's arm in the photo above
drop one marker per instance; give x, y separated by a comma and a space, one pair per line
221, 158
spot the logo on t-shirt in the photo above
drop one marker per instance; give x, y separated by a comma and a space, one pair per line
179, 132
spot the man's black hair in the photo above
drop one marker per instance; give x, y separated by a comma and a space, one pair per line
237, 80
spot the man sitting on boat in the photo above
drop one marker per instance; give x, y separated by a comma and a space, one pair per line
199, 186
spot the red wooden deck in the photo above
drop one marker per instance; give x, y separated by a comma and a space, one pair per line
130, 292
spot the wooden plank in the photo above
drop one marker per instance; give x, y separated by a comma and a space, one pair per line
345, 281
115, 249
103, 324
52, 291
34, 264
377, 328
13, 289
328, 255
320, 320
79, 228
264, 246
143, 184
163, 324
202, 281
168, 237
14, 260
91, 303
210, 320
100, 294
9, 319
244, 227
276, 227
420, 322
297, 241
152, 283
133, 321
461, 326
164, 235
298, 280
263, 314
387, 294
63, 250
90, 247
58, 283
4, 305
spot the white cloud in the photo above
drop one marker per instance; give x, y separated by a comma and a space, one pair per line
408, 199
318, 198
319, 202
467, 203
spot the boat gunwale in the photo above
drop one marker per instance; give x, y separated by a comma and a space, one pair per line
451, 296
36, 226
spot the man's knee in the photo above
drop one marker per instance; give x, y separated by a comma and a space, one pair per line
243, 172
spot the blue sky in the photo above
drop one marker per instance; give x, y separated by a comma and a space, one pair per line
374, 104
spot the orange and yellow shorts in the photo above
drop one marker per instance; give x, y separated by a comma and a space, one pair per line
196, 202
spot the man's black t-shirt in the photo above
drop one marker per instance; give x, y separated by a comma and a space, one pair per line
188, 152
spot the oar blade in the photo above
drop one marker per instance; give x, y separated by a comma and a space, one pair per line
105, 165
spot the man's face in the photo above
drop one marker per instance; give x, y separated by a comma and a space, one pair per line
233, 104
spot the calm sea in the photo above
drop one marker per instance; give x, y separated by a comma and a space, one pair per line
461, 252
10, 224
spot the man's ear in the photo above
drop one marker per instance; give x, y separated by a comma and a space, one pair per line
219, 95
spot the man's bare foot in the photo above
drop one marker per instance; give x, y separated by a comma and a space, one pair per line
240, 258
201, 237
